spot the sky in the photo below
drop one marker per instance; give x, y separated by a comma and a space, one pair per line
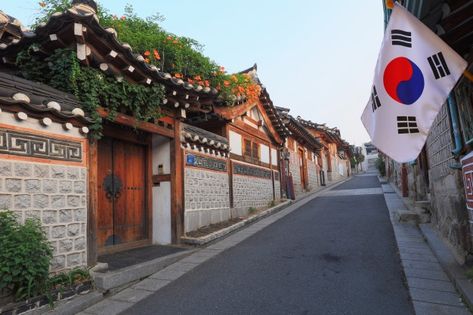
315, 57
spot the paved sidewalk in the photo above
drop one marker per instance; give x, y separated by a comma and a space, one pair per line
431, 291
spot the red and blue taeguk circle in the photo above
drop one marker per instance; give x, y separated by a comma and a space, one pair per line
403, 80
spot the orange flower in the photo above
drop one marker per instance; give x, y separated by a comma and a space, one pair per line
175, 41
42, 4
147, 60
178, 75
197, 77
206, 83
190, 81
147, 53
234, 78
156, 54
226, 83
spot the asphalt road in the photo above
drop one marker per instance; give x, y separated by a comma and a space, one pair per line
334, 255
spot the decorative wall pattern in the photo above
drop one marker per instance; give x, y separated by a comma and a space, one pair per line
25, 144
247, 170
206, 162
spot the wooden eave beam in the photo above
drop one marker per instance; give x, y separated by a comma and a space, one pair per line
132, 122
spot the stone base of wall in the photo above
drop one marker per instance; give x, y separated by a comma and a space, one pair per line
449, 214
195, 219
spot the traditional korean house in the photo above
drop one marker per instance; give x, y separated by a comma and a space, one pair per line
302, 157
93, 196
336, 153
232, 160
144, 181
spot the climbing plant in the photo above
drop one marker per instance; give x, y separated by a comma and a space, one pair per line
62, 71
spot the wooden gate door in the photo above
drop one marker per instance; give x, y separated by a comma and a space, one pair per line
303, 169
122, 208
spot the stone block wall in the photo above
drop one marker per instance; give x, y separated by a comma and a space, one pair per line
252, 187
295, 170
277, 185
57, 196
313, 175
207, 197
449, 213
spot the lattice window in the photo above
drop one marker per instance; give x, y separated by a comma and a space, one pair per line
255, 154
247, 148
464, 98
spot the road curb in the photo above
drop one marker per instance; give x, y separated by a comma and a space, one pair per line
114, 279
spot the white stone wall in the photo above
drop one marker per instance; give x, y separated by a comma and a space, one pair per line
277, 187
249, 191
295, 170
207, 197
54, 194
312, 174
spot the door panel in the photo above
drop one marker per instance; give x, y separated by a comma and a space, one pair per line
122, 192
105, 205
130, 214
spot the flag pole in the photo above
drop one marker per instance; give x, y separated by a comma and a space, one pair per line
468, 75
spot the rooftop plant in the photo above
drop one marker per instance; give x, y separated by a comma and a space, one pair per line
178, 55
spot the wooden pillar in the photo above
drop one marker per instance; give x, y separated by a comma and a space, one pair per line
404, 183
92, 205
177, 185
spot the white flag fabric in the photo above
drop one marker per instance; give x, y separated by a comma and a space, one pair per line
414, 74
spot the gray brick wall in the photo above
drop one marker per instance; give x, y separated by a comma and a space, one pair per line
57, 196
277, 188
313, 176
251, 191
294, 168
449, 212
207, 197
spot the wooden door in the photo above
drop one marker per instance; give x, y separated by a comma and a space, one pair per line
303, 169
122, 208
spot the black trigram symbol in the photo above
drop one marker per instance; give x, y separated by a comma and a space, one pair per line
401, 38
438, 65
375, 103
406, 124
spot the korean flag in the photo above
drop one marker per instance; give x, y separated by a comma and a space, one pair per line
414, 74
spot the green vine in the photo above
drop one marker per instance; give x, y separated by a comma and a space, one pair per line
62, 71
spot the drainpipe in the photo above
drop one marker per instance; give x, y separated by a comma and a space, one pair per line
453, 109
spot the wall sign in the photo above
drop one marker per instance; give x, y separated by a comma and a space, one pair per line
206, 162
190, 159
467, 170
247, 170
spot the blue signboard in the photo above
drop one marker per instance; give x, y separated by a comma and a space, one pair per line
190, 159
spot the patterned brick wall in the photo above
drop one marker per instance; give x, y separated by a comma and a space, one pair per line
251, 191
207, 197
294, 168
54, 194
313, 176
